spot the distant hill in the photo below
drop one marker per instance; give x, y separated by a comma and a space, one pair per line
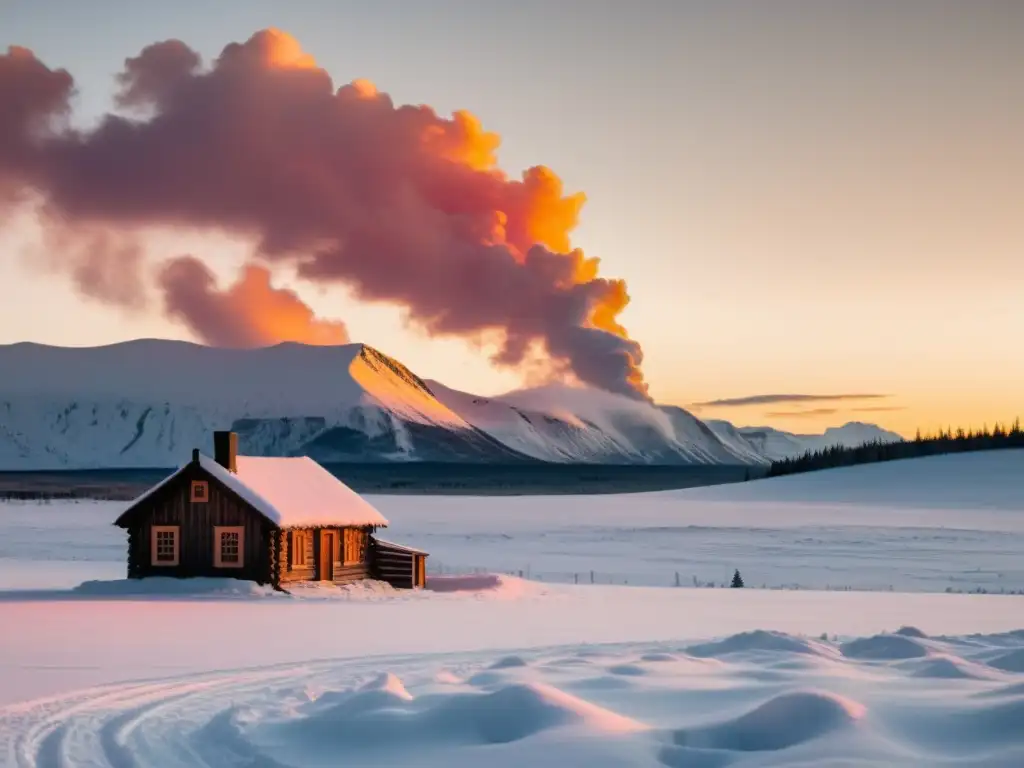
961, 441
980, 480
774, 444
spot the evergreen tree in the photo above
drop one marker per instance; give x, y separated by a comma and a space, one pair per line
945, 440
737, 580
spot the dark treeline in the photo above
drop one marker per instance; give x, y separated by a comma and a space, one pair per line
946, 441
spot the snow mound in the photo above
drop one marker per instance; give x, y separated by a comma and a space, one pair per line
385, 718
156, 586
884, 648
381, 710
627, 670
990, 734
947, 667
444, 677
780, 723
508, 662
520, 710
758, 641
911, 632
390, 684
490, 679
1012, 661
384, 692
659, 656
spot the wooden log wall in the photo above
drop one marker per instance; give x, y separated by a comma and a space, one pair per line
395, 566
196, 521
343, 574
289, 572
134, 567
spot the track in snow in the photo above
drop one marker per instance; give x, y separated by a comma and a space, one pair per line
757, 698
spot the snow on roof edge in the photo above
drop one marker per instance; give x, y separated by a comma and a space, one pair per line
305, 494
401, 547
263, 506
247, 494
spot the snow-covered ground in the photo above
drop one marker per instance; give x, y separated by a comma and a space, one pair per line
942, 523
506, 671
514, 675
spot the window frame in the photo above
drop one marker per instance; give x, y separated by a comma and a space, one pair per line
297, 546
154, 560
199, 498
354, 539
218, 553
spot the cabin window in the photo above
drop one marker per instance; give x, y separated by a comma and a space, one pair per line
354, 546
165, 545
298, 552
228, 546
200, 492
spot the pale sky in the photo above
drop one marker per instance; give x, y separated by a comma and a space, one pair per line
816, 198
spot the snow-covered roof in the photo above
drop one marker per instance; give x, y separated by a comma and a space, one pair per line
399, 547
293, 492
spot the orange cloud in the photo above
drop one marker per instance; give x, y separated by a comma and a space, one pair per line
398, 203
249, 313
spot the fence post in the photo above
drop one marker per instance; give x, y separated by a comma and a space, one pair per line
677, 578
591, 577
575, 578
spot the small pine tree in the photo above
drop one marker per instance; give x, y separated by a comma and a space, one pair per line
737, 580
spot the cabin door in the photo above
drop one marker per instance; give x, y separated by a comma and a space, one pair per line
327, 548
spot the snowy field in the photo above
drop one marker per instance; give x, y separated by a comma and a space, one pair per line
944, 523
505, 671
520, 674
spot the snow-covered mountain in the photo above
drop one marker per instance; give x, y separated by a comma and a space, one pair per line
147, 403
561, 423
774, 444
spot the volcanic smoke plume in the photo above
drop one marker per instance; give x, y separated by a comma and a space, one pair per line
249, 313
338, 184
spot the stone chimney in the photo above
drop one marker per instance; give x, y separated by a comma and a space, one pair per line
225, 450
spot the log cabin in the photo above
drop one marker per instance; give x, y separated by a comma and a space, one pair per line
274, 521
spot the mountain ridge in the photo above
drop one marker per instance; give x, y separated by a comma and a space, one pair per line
148, 402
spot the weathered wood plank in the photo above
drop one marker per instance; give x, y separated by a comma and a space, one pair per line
196, 522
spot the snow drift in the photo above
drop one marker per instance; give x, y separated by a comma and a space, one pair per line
555, 706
